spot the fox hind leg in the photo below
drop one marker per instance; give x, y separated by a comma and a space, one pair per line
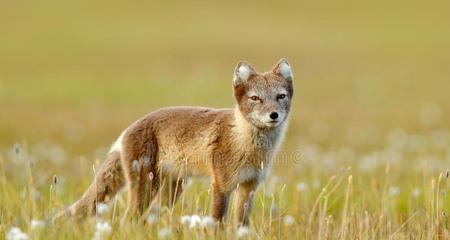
168, 195
176, 188
140, 168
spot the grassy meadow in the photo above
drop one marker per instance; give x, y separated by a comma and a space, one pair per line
367, 154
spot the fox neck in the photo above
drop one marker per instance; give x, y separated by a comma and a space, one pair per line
268, 139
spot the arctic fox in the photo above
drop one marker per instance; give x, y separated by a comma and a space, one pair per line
235, 147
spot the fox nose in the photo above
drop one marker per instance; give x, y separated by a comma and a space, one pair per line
274, 115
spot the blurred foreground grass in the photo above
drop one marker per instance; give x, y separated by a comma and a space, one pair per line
371, 102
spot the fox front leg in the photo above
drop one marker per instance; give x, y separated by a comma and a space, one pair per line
220, 199
244, 201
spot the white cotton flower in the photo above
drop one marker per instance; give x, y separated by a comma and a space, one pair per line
185, 220
102, 208
302, 187
195, 221
243, 232
416, 192
152, 219
288, 220
136, 166
164, 233
16, 233
208, 221
394, 191
102, 230
37, 224
17, 148
146, 161
103, 227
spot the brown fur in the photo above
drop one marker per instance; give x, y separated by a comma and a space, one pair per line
232, 146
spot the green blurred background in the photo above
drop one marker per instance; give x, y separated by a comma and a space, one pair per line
76, 73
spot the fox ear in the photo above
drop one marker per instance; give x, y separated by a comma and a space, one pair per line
243, 72
283, 69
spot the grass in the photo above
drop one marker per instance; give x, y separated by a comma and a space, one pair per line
367, 154
324, 201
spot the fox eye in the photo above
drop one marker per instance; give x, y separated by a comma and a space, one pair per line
254, 98
281, 96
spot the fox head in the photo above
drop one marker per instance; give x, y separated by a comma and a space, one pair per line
264, 99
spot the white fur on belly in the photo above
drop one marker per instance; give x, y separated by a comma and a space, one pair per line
245, 174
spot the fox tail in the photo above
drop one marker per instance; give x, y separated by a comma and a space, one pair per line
108, 181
